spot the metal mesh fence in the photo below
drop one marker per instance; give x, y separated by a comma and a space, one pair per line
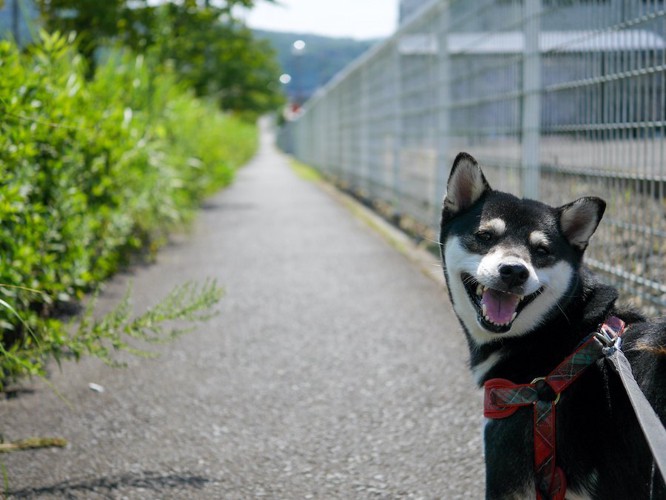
556, 98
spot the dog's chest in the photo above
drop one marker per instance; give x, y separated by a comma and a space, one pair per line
509, 460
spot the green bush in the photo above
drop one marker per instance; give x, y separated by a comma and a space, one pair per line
90, 172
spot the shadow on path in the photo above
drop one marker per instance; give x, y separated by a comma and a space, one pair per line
150, 481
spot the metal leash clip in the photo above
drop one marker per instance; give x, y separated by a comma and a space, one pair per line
609, 340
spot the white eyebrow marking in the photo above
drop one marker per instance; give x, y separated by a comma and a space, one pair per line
496, 226
537, 238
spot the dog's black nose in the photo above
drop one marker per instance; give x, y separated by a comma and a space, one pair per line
513, 274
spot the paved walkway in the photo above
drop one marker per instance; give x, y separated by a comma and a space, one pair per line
336, 369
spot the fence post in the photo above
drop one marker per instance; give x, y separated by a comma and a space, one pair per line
364, 181
531, 99
397, 127
443, 109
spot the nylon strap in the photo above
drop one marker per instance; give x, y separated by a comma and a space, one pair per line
654, 431
551, 483
503, 398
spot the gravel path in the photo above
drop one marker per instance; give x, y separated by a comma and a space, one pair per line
336, 369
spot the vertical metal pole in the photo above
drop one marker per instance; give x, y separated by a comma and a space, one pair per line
338, 101
397, 127
15, 22
322, 151
365, 138
443, 110
531, 122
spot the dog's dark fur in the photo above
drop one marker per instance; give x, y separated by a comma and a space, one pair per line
600, 446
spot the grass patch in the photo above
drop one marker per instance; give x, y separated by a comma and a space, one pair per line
304, 171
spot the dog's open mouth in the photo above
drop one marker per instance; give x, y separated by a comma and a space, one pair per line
496, 310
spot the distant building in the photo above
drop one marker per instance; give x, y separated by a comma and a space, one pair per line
573, 49
566, 56
408, 8
563, 14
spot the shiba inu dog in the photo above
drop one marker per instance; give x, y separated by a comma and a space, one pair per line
516, 279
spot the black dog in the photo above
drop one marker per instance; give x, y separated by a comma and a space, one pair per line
526, 303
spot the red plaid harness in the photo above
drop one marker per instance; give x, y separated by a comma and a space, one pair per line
503, 398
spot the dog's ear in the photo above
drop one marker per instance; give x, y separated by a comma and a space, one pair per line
465, 187
579, 220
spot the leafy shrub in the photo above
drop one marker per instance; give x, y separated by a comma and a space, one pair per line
91, 171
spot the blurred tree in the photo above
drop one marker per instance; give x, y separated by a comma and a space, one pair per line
217, 58
92, 20
205, 42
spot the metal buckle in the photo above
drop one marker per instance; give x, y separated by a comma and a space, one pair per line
543, 379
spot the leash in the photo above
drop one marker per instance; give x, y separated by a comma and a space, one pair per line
652, 428
502, 398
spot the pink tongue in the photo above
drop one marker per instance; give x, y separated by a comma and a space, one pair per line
500, 306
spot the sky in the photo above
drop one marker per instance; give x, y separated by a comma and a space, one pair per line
360, 19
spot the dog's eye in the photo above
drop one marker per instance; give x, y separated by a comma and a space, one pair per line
483, 235
542, 251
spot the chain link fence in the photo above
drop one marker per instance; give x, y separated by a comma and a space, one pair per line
556, 98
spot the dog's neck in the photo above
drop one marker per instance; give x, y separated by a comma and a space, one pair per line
521, 359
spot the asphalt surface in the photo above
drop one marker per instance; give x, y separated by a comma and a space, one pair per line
335, 369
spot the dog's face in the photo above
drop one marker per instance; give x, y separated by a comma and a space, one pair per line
509, 263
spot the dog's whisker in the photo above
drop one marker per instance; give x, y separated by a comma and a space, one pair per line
547, 291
